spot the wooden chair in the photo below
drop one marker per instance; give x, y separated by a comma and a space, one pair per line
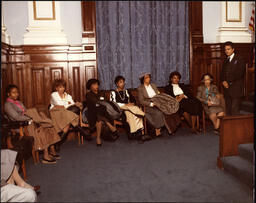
10, 126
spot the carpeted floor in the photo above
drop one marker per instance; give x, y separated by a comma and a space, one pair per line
181, 168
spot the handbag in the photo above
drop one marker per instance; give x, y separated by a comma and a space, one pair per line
112, 109
214, 100
75, 109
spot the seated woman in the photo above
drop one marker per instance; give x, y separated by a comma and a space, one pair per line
189, 105
205, 93
64, 111
157, 118
40, 127
97, 113
133, 113
13, 187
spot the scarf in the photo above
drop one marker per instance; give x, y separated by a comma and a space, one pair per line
17, 103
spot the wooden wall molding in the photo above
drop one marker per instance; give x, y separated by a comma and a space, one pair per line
34, 68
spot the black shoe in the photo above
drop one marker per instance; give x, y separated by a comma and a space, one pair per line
146, 137
115, 135
99, 145
131, 136
62, 135
56, 156
216, 131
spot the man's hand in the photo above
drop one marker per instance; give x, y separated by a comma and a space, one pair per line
225, 84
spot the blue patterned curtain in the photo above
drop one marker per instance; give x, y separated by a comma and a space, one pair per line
141, 36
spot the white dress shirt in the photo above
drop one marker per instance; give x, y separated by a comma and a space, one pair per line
231, 57
57, 100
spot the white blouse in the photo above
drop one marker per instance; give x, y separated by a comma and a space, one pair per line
151, 92
177, 90
113, 97
57, 100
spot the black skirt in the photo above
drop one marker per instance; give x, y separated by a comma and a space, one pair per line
190, 105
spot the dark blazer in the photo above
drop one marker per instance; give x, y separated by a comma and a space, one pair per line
169, 90
91, 101
143, 95
233, 72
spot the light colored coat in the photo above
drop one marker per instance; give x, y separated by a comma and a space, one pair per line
8, 158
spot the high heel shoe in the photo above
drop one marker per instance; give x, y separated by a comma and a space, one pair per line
98, 145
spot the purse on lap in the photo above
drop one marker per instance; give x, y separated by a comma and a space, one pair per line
214, 100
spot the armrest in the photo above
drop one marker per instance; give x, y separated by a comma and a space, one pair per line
14, 124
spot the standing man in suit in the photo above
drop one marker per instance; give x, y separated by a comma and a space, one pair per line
232, 77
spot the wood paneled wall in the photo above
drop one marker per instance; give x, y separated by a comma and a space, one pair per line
209, 58
34, 68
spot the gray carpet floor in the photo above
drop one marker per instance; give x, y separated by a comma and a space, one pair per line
181, 168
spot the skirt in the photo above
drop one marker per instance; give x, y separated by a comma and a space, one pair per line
43, 137
134, 121
213, 109
154, 116
190, 105
62, 117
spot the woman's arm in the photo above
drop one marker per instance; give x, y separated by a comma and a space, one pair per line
142, 99
199, 94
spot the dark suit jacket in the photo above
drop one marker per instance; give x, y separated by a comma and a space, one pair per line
233, 72
143, 95
169, 90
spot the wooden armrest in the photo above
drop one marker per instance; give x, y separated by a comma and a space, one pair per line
14, 124
236, 117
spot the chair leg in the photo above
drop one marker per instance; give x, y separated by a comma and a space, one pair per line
82, 139
37, 156
203, 117
197, 122
23, 167
79, 138
34, 154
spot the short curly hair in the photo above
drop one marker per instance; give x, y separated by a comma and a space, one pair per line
206, 74
172, 74
57, 83
118, 78
91, 82
9, 88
